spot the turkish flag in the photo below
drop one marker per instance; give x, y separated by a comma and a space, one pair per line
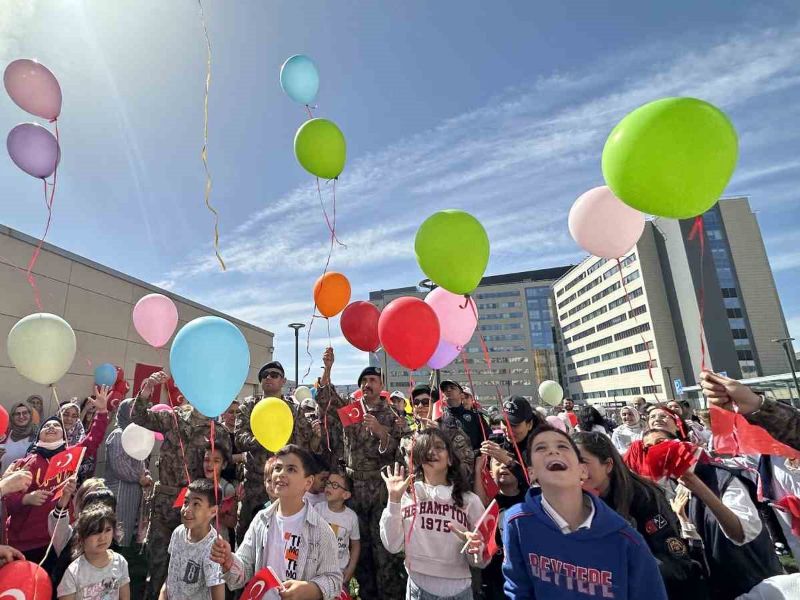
487, 527
732, 434
489, 484
260, 584
438, 410
351, 414
181, 498
142, 372
671, 458
23, 580
68, 460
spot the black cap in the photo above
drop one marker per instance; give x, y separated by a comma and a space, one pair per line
270, 365
448, 383
518, 409
420, 388
369, 371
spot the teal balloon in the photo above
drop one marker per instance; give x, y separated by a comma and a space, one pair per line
300, 79
209, 360
671, 158
452, 250
105, 374
320, 148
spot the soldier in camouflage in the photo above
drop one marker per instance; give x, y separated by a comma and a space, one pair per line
272, 379
367, 447
186, 432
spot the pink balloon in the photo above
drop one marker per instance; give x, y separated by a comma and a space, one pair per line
158, 436
603, 225
556, 423
155, 317
33, 88
445, 354
457, 320
33, 149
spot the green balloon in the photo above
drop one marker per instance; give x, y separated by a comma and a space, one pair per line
320, 148
671, 158
452, 250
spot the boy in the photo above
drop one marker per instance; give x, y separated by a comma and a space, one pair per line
215, 463
291, 538
343, 521
565, 543
316, 495
192, 575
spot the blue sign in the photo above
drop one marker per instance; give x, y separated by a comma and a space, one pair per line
723, 373
678, 387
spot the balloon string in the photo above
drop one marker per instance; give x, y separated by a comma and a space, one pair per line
310, 114
698, 231
214, 469
468, 371
204, 151
328, 322
180, 443
331, 227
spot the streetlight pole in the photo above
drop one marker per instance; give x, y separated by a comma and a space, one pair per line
671, 394
786, 343
297, 327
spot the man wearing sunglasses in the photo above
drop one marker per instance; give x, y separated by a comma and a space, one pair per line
272, 379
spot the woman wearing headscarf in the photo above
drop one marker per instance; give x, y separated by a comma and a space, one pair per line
21, 433
73, 427
125, 475
27, 511
629, 431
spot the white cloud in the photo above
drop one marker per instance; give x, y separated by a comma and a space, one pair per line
15, 20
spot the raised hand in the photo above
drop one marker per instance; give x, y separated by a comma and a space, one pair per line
69, 489
396, 481
101, 395
151, 382
221, 553
729, 394
16, 481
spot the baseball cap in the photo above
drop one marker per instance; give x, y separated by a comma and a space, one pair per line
448, 383
518, 409
397, 394
467, 390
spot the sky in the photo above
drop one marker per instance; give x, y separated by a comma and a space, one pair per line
497, 108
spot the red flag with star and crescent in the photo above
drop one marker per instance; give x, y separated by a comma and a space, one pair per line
262, 582
67, 461
351, 414
487, 527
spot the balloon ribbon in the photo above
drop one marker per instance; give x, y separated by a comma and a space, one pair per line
698, 231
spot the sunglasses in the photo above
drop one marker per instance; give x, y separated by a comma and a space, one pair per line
273, 375
336, 486
421, 401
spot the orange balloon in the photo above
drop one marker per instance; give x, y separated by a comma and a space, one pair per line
331, 294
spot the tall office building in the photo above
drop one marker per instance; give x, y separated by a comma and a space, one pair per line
616, 346
518, 325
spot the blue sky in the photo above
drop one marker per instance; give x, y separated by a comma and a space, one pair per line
498, 108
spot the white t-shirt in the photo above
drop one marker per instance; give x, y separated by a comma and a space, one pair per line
315, 499
345, 528
284, 541
88, 582
191, 571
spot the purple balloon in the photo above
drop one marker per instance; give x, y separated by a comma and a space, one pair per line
444, 355
33, 149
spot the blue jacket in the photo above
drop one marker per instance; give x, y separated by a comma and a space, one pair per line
608, 560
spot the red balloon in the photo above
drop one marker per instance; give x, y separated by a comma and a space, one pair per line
359, 323
3, 421
23, 580
409, 331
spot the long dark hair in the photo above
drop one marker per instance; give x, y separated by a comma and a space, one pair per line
623, 482
93, 520
423, 444
589, 416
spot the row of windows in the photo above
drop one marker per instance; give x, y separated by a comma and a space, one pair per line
504, 337
514, 294
591, 395
501, 326
499, 359
574, 282
581, 291
569, 326
611, 322
598, 343
540, 291
582, 334
631, 295
631, 391
473, 350
639, 310
617, 353
628, 260
578, 307
652, 389
566, 300
574, 351
632, 331
577, 378
609, 290
499, 305
607, 356
604, 373
644, 346
640, 366
594, 313
508, 315
587, 361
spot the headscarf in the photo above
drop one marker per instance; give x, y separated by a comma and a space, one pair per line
124, 414
631, 430
49, 450
76, 433
17, 433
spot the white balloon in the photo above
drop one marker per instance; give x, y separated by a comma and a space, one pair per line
41, 347
302, 393
550, 392
137, 441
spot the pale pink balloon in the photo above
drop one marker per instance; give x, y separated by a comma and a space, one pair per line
160, 408
445, 354
603, 225
155, 317
33, 88
457, 319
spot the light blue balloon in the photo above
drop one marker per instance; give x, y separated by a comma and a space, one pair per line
105, 374
300, 79
209, 360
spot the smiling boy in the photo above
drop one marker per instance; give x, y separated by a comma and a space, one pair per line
565, 543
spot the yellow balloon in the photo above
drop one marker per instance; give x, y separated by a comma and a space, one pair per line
272, 423
41, 347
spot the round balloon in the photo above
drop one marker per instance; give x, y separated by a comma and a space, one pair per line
603, 225
445, 354
24, 580
550, 392
671, 158
137, 441
33, 149
457, 319
302, 393
105, 374
41, 347
33, 88
155, 317
359, 325
331, 293
320, 148
300, 79
271, 422
452, 250
4, 418
210, 360
409, 331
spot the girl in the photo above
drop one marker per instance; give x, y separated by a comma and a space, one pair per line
97, 571
21, 433
215, 462
644, 506
433, 523
630, 430
590, 419
661, 418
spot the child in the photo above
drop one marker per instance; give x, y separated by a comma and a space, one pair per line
192, 575
316, 495
433, 523
565, 543
97, 571
343, 521
214, 463
289, 537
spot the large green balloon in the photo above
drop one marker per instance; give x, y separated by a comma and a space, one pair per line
671, 158
452, 250
320, 148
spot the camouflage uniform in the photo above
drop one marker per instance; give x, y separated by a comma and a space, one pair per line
462, 448
781, 421
255, 494
377, 569
195, 432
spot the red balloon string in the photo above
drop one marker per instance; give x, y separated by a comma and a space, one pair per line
180, 443
468, 371
698, 231
310, 114
216, 480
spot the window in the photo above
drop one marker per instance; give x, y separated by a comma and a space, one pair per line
569, 326
566, 301
504, 337
506, 315
632, 277
604, 373
595, 266
734, 313
736, 323
729, 292
611, 322
744, 354
574, 351
588, 361
577, 378
631, 391
640, 366
610, 289
593, 314
510, 304
644, 346
588, 286
579, 307
574, 282
483, 295
598, 343
652, 389
639, 310
739, 334
617, 353
631, 295
632, 331
582, 334
592, 395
